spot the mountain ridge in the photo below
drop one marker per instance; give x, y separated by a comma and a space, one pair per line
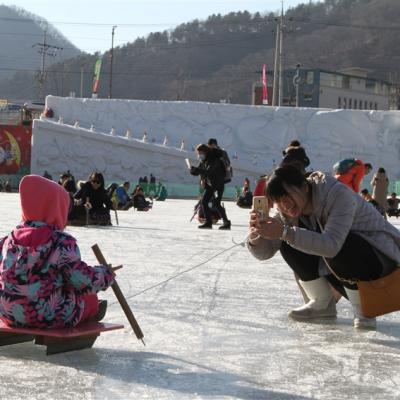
20, 32
218, 58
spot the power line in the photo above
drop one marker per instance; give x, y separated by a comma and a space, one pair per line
150, 73
253, 36
155, 72
294, 19
106, 24
344, 25
174, 45
60, 39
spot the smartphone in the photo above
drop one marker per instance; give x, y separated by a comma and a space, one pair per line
260, 206
188, 163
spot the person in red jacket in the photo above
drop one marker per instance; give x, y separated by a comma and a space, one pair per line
353, 176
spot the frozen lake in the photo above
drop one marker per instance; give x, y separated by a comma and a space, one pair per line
217, 332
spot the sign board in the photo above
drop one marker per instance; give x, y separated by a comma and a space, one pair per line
15, 150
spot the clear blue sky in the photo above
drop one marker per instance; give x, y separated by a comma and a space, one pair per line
145, 16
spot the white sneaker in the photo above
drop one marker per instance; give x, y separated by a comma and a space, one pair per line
322, 304
360, 321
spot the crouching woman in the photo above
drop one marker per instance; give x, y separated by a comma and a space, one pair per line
329, 236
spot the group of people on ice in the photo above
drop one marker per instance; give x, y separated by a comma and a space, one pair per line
122, 200
91, 201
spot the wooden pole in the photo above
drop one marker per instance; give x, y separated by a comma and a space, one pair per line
116, 216
120, 297
276, 65
87, 211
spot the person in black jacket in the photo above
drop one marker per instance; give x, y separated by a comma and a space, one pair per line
212, 172
93, 196
213, 144
139, 200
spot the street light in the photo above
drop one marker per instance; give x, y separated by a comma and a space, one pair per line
296, 83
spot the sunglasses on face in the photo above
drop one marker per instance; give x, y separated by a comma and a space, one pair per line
96, 182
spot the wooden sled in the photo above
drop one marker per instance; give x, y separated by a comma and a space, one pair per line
57, 341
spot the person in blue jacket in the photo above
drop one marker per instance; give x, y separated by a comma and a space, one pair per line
122, 198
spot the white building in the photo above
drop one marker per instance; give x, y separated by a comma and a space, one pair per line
349, 88
352, 89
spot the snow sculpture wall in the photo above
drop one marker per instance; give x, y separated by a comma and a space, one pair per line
59, 147
257, 134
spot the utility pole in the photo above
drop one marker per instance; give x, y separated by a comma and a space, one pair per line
45, 49
276, 64
82, 67
43, 52
281, 59
111, 61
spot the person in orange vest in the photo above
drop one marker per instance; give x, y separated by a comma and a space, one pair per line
351, 172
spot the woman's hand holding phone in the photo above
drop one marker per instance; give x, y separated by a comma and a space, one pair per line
261, 224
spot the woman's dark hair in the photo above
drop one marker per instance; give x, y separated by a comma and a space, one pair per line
296, 156
382, 170
203, 148
138, 189
69, 186
293, 143
97, 176
287, 174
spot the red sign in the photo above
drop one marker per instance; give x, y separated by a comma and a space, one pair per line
15, 149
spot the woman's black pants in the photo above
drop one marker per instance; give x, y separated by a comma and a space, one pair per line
356, 260
208, 196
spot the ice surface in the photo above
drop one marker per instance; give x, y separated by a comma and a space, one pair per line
218, 332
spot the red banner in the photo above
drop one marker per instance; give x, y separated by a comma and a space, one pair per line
15, 149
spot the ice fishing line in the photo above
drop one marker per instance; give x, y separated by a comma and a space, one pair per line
156, 285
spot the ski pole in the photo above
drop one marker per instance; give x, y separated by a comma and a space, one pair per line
196, 210
116, 216
87, 210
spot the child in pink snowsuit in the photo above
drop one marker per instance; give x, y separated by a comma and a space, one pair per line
43, 282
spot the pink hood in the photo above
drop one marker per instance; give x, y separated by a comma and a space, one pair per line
44, 200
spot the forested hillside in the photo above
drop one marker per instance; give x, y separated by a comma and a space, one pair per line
20, 32
219, 58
